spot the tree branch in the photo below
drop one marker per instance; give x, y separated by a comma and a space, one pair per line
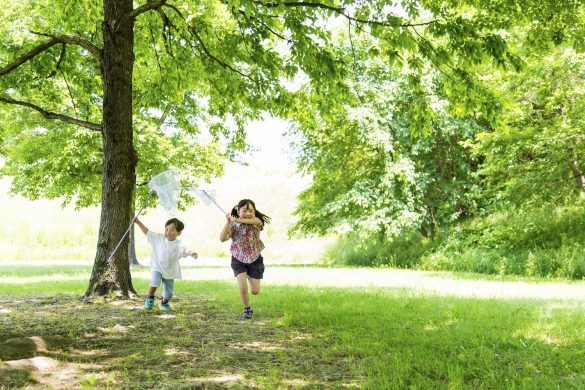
193, 32
27, 56
340, 11
73, 40
149, 6
154, 47
259, 20
166, 32
53, 116
55, 40
61, 57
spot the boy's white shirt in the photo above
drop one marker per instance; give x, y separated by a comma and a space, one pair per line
165, 255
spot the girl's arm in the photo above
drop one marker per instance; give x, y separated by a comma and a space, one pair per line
225, 232
249, 221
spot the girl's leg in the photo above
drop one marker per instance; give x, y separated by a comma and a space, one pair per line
255, 274
243, 285
254, 285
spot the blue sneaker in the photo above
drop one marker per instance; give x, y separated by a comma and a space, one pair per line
248, 313
148, 303
165, 306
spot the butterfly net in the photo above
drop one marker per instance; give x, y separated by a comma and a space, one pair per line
206, 196
168, 188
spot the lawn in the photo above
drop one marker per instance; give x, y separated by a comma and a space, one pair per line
300, 337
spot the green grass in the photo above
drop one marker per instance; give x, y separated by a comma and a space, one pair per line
300, 337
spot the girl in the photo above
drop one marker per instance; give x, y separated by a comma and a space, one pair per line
243, 226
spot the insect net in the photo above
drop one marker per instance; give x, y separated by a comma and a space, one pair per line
207, 197
168, 188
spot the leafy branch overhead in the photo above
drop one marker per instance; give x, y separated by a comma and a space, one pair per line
445, 37
225, 62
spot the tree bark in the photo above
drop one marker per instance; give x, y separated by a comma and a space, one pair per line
112, 277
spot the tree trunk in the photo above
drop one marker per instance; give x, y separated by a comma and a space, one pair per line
112, 276
578, 175
432, 223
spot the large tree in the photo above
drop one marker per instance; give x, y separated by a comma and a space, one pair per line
120, 89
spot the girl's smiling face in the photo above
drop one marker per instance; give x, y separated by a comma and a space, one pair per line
246, 212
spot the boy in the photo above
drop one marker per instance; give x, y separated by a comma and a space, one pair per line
164, 261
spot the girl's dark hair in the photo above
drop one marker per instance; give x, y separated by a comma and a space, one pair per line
178, 224
242, 203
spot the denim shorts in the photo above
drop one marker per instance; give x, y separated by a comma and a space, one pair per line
168, 284
254, 270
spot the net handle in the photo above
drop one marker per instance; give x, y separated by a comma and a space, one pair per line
204, 192
130, 226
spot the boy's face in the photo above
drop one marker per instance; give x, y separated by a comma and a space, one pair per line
246, 212
171, 232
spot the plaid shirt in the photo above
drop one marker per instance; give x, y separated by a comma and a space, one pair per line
246, 243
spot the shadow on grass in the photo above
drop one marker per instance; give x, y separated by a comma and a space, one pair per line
200, 343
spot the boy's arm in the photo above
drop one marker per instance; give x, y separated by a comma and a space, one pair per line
193, 254
141, 225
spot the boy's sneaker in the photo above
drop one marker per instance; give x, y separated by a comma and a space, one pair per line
148, 303
165, 306
248, 313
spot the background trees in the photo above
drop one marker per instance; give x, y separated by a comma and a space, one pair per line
102, 96
505, 138
536, 154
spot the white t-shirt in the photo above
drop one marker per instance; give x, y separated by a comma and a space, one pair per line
165, 255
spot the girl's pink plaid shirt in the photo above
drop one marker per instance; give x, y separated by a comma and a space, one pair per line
246, 244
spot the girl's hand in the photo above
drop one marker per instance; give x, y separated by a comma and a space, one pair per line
228, 217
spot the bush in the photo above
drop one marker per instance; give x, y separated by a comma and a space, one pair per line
548, 241
400, 253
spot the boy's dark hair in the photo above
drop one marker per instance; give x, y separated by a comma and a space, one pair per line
178, 224
262, 217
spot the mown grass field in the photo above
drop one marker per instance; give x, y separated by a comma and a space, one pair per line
300, 337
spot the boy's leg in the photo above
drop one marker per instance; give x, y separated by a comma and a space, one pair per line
168, 289
155, 278
168, 286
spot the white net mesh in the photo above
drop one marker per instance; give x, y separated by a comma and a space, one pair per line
206, 196
168, 188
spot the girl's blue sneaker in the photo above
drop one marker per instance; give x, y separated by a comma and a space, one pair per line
165, 306
148, 303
